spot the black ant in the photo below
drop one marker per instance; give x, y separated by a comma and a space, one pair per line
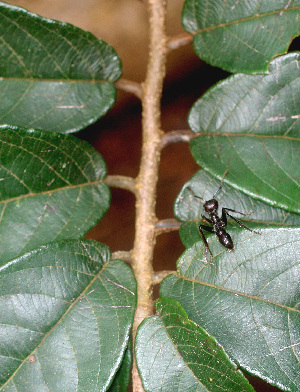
219, 223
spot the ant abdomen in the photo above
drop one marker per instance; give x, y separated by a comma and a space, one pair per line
225, 239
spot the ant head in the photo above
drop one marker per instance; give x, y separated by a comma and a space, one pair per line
211, 205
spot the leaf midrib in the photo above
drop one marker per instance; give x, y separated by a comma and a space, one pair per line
234, 292
232, 225
244, 134
51, 191
249, 18
51, 80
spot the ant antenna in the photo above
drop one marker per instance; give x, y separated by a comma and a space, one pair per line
193, 193
215, 194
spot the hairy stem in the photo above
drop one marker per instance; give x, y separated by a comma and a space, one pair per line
142, 253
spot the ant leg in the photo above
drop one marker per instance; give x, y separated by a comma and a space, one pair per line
210, 230
225, 214
237, 212
206, 219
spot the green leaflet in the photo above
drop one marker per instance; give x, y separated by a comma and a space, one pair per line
248, 299
175, 354
53, 76
51, 188
241, 36
250, 124
65, 316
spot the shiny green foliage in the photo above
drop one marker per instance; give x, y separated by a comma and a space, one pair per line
51, 188
251, 124
53, 76
66, 310
175, 354
248, 299
122, 377
241, 35
189, 208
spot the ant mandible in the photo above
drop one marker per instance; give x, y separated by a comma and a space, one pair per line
219, 223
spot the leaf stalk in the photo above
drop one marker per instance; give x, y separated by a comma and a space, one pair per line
123, 182
130, 86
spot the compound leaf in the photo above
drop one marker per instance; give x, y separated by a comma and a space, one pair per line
51, 188
240, 35
53, 76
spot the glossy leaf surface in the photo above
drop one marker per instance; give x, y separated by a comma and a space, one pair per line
175, 354
53, 76
51, 188
188, 208
65, 316
122, 377
248, 299
251, 124
241, 36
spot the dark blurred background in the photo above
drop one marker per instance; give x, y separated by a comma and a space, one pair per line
117, 136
